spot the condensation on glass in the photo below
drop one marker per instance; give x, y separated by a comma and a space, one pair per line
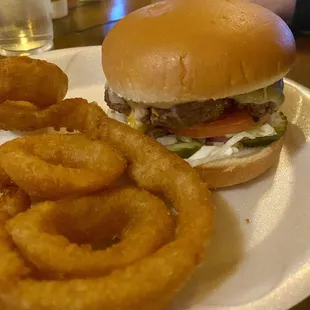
25, 27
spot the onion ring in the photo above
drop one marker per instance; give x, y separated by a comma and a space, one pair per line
140, 220
52, 166
12, 266
162, 273
146, 283
14, 200
72, 114
20, 77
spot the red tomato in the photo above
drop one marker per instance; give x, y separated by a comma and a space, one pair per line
235, 122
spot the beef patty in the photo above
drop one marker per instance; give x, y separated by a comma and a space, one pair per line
191, 113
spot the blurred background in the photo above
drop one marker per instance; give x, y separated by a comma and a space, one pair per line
89, 21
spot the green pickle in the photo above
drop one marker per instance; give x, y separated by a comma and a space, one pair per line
185, 150
261, 141
279, 124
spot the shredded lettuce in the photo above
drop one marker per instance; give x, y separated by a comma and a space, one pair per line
167, 140
196, 153
263, 131
184, 139
209, 152
213, 152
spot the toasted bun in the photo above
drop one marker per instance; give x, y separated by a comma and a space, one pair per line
232, 171
186, 50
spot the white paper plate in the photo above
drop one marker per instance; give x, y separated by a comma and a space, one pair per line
259, 263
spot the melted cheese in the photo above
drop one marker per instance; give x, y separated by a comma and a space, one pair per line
272, 93
135, 116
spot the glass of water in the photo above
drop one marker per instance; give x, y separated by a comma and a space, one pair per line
25, 27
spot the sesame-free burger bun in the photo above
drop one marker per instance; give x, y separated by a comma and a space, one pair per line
189, 50
248, 165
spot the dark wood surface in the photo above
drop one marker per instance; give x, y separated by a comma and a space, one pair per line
88, 23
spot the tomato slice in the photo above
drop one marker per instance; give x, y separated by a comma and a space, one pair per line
235, 122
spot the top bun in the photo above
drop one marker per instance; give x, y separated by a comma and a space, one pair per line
189, 50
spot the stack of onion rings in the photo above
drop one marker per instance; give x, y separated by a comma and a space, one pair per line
140, 220
164, 251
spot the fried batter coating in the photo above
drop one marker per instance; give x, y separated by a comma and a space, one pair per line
14, 200
33, 80
74, 114
160, 259
151, 282
138, 219
12, 266
53, 166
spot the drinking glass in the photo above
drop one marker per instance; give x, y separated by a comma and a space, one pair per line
25, 27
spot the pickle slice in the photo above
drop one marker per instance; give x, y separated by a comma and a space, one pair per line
279, 123
261, 141
185, 150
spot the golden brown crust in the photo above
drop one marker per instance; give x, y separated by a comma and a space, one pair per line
37, 81
233, 171
179, 51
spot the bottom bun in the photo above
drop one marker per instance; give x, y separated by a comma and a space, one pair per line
237, 170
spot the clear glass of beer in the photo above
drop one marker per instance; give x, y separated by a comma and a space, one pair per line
25, 27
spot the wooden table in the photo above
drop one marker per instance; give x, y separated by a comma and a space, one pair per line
89, 21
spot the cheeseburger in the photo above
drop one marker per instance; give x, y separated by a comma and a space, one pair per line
205, 79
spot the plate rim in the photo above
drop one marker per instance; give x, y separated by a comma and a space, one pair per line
297, 285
